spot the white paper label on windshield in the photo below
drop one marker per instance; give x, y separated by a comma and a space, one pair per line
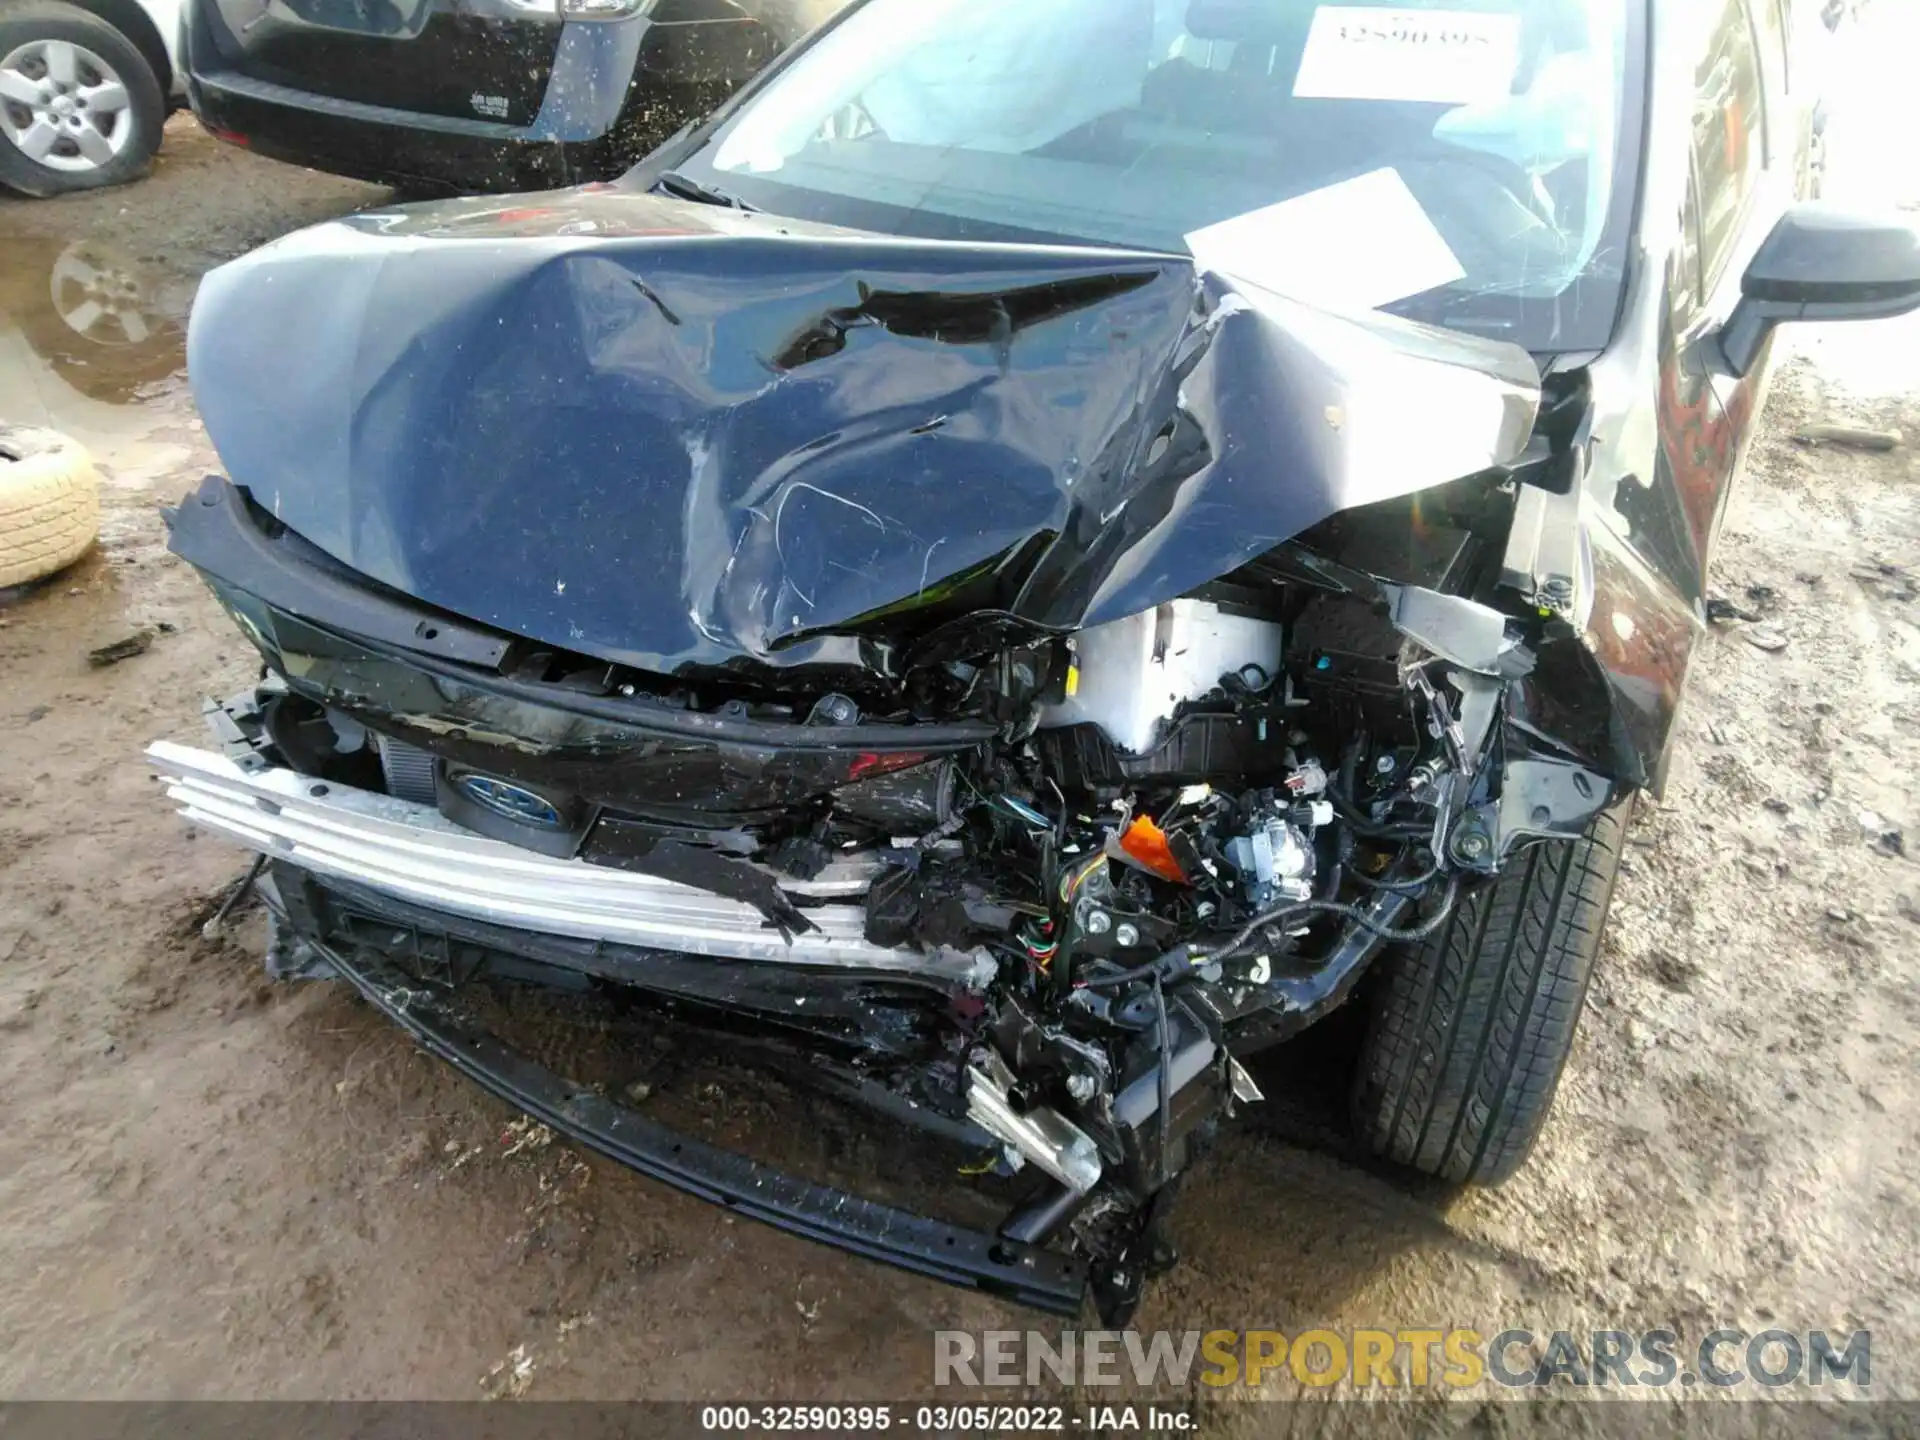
1363, 243
1446, 57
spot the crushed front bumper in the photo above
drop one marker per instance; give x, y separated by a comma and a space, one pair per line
414, 852
364, 842
1026, 1274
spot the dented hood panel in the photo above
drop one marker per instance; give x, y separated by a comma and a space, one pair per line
670, 434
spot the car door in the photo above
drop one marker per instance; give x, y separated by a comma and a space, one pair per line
1793, 46
1735, 193
1650, 565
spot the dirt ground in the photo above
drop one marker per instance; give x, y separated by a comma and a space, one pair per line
211, 1186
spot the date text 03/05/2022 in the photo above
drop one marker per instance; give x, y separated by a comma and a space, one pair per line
946, 1419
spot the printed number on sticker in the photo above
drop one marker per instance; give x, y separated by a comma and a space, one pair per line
1447, 57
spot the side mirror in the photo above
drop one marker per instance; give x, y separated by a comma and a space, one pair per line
1823, 262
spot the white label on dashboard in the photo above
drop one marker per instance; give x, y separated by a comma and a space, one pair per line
1363, 243
1445, 57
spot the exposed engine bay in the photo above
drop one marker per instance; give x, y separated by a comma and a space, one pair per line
1020, 751
1114, 859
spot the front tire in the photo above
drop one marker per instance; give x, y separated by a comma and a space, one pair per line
1469, 1030
80, 107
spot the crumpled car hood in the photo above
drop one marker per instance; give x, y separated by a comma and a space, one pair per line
675, 435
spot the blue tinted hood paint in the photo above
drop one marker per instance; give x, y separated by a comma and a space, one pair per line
671, 435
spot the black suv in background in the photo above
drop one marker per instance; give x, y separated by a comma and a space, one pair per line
473, 95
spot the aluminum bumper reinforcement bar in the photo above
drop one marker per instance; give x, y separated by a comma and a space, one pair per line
414, 852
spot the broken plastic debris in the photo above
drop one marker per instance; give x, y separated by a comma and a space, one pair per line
1883, 834
509, 1377
1145, 843
1721, 609
524, 1134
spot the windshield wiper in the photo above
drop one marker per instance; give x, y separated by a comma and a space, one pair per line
687, 188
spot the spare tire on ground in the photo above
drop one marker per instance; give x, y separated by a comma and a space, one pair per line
49, 503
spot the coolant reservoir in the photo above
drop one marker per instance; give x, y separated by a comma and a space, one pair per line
1132, 674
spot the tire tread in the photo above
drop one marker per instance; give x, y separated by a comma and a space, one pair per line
1470, 1030
49, 506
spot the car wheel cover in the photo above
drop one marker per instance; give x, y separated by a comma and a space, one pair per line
98, 294
64, 107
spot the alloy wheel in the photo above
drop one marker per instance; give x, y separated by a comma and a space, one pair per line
97, 292
63, 106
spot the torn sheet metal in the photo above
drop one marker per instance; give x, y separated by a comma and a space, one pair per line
1473, 636
676, 435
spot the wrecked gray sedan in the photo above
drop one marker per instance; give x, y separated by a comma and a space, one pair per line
1040, 551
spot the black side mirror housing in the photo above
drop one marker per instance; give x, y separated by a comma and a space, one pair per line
1823, 262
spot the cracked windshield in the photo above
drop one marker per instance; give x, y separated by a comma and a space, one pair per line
1464, 166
